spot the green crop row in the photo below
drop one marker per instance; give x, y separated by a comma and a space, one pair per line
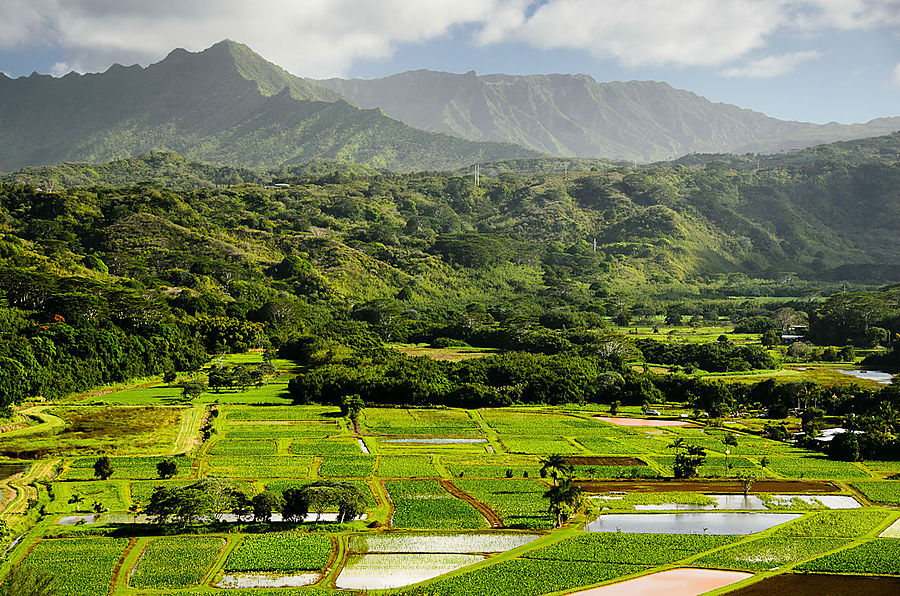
876, 557
243, 447
293, 413
768, 553
519, 502
641, 549
347, 467
814, 466
325, 447
426, 504
79, 566
527, 577
277, 466
281, 552
175, 562
851, 523
266, 431
406, 466
880, 491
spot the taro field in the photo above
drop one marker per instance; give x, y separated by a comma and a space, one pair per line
452, 501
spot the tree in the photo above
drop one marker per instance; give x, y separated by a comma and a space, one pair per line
169, 376
193, 389
241, 505
103, 468
241, 377
296, 504
688, 459
812, 421
565, 499
264, 505
845, 447
352, 504
747, 477
614, 408
98, 507
555, 466
167, 468
351, 406
730, 439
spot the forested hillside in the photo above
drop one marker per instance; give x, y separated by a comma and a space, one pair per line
225, 104
574, 115
100, 284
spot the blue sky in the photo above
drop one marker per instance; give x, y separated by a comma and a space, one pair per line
815, 60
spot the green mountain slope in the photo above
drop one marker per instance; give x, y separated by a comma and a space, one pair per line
225, 104
574, 115
825, 213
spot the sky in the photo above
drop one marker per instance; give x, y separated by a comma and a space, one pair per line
809, 60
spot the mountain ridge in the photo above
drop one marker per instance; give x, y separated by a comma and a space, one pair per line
224, 104
574, 115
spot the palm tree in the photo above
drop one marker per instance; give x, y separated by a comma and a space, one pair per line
555, 466
565, 499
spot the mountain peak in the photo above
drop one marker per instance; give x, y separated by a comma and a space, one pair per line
231, 56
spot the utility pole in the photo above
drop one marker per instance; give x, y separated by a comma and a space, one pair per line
476, 174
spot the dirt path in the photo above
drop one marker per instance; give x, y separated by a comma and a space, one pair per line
191, 421
483, 509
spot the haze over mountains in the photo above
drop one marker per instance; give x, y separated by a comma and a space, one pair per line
574, 115
229, 105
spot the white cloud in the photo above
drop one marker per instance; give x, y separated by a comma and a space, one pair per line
896, 75
845, 14
651, 32
772, 66
326, 37
60, 69
309, 37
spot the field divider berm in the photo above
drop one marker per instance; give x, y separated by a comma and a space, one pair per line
489, 514
231, 543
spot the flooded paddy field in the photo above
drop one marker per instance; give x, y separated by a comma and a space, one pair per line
722, 524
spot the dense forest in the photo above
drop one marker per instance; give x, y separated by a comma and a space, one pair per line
328, 262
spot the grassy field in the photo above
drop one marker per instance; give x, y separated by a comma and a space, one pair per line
447, 470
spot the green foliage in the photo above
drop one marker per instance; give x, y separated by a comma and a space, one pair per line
175, 562
887, 492
281, 552
851, 523
86, 563
639, 549
529, 577
768, 553
426, 504
874, 557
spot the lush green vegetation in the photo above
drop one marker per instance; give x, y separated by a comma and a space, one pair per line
875, 557
80, 566
281, 552
768, 553
426, 504
175, 562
